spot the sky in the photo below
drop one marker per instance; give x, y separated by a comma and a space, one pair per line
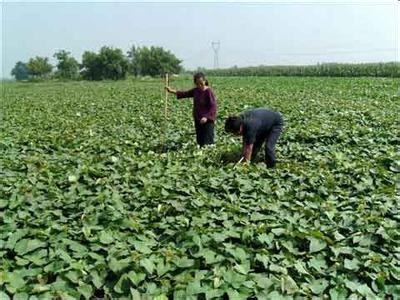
250, 33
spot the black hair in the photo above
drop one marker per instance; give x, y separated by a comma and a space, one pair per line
200, 75
232, 124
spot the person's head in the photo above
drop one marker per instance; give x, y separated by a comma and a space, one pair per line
232, 124
200, 80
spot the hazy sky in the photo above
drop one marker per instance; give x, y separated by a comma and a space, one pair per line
250, 33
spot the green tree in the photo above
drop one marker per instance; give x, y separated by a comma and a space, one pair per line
67, 66
154, 61
20, 71
39, 66
109, 63
133, 66
91, 68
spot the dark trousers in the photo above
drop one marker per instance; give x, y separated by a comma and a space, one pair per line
270, 141
204, 133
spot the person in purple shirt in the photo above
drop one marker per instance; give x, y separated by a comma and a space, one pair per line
204, 108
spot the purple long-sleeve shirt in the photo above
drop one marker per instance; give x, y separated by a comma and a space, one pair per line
204, 103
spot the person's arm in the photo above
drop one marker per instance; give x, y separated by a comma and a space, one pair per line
180, 94
247, 151
185, 94
212, 103
249, 137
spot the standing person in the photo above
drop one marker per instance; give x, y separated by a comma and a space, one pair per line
256, 127
204, 108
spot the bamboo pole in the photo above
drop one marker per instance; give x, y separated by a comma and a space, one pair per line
166, 97
164, 130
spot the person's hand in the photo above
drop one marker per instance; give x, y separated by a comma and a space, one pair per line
203, 120
169, 90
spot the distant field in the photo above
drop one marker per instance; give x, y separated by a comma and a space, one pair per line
90, 206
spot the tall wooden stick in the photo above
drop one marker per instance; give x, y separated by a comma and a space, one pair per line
166, 97
164, 130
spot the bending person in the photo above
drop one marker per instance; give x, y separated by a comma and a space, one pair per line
257, 127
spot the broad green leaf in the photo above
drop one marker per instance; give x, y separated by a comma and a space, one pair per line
15, 280
28, 245
97, 280
118, 265
136, 278
85, 290
264, 282
121, 285
288, 285
316, 245
194, 288
319, 286
148, 265
106, 237
318, 263
142, 247
4, 296
351, 264
184, 263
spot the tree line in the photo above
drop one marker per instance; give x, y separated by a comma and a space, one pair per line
389, 69
108, 63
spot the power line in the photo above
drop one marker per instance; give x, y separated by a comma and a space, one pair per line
215, 46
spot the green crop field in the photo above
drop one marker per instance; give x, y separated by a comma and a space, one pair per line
91, 207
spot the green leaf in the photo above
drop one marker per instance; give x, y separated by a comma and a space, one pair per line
106, 237
243, 268
4, 296
338, 236
19, 296
184, 262
338, 293
118, 265
136, 278
351, 285
351, 264
73, 178
194, 287
318, 286
264, 259
365, 290
142, 247
239, 253
316, 245
277, 269
28, 245
21, 261
121, 286
148, 265
288, 285
278, 231
300, 268
3, 203
265, 239
264, 282
208, 255
85, 290
15, 280
96, 279
73, 276
256, 216
318, 263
